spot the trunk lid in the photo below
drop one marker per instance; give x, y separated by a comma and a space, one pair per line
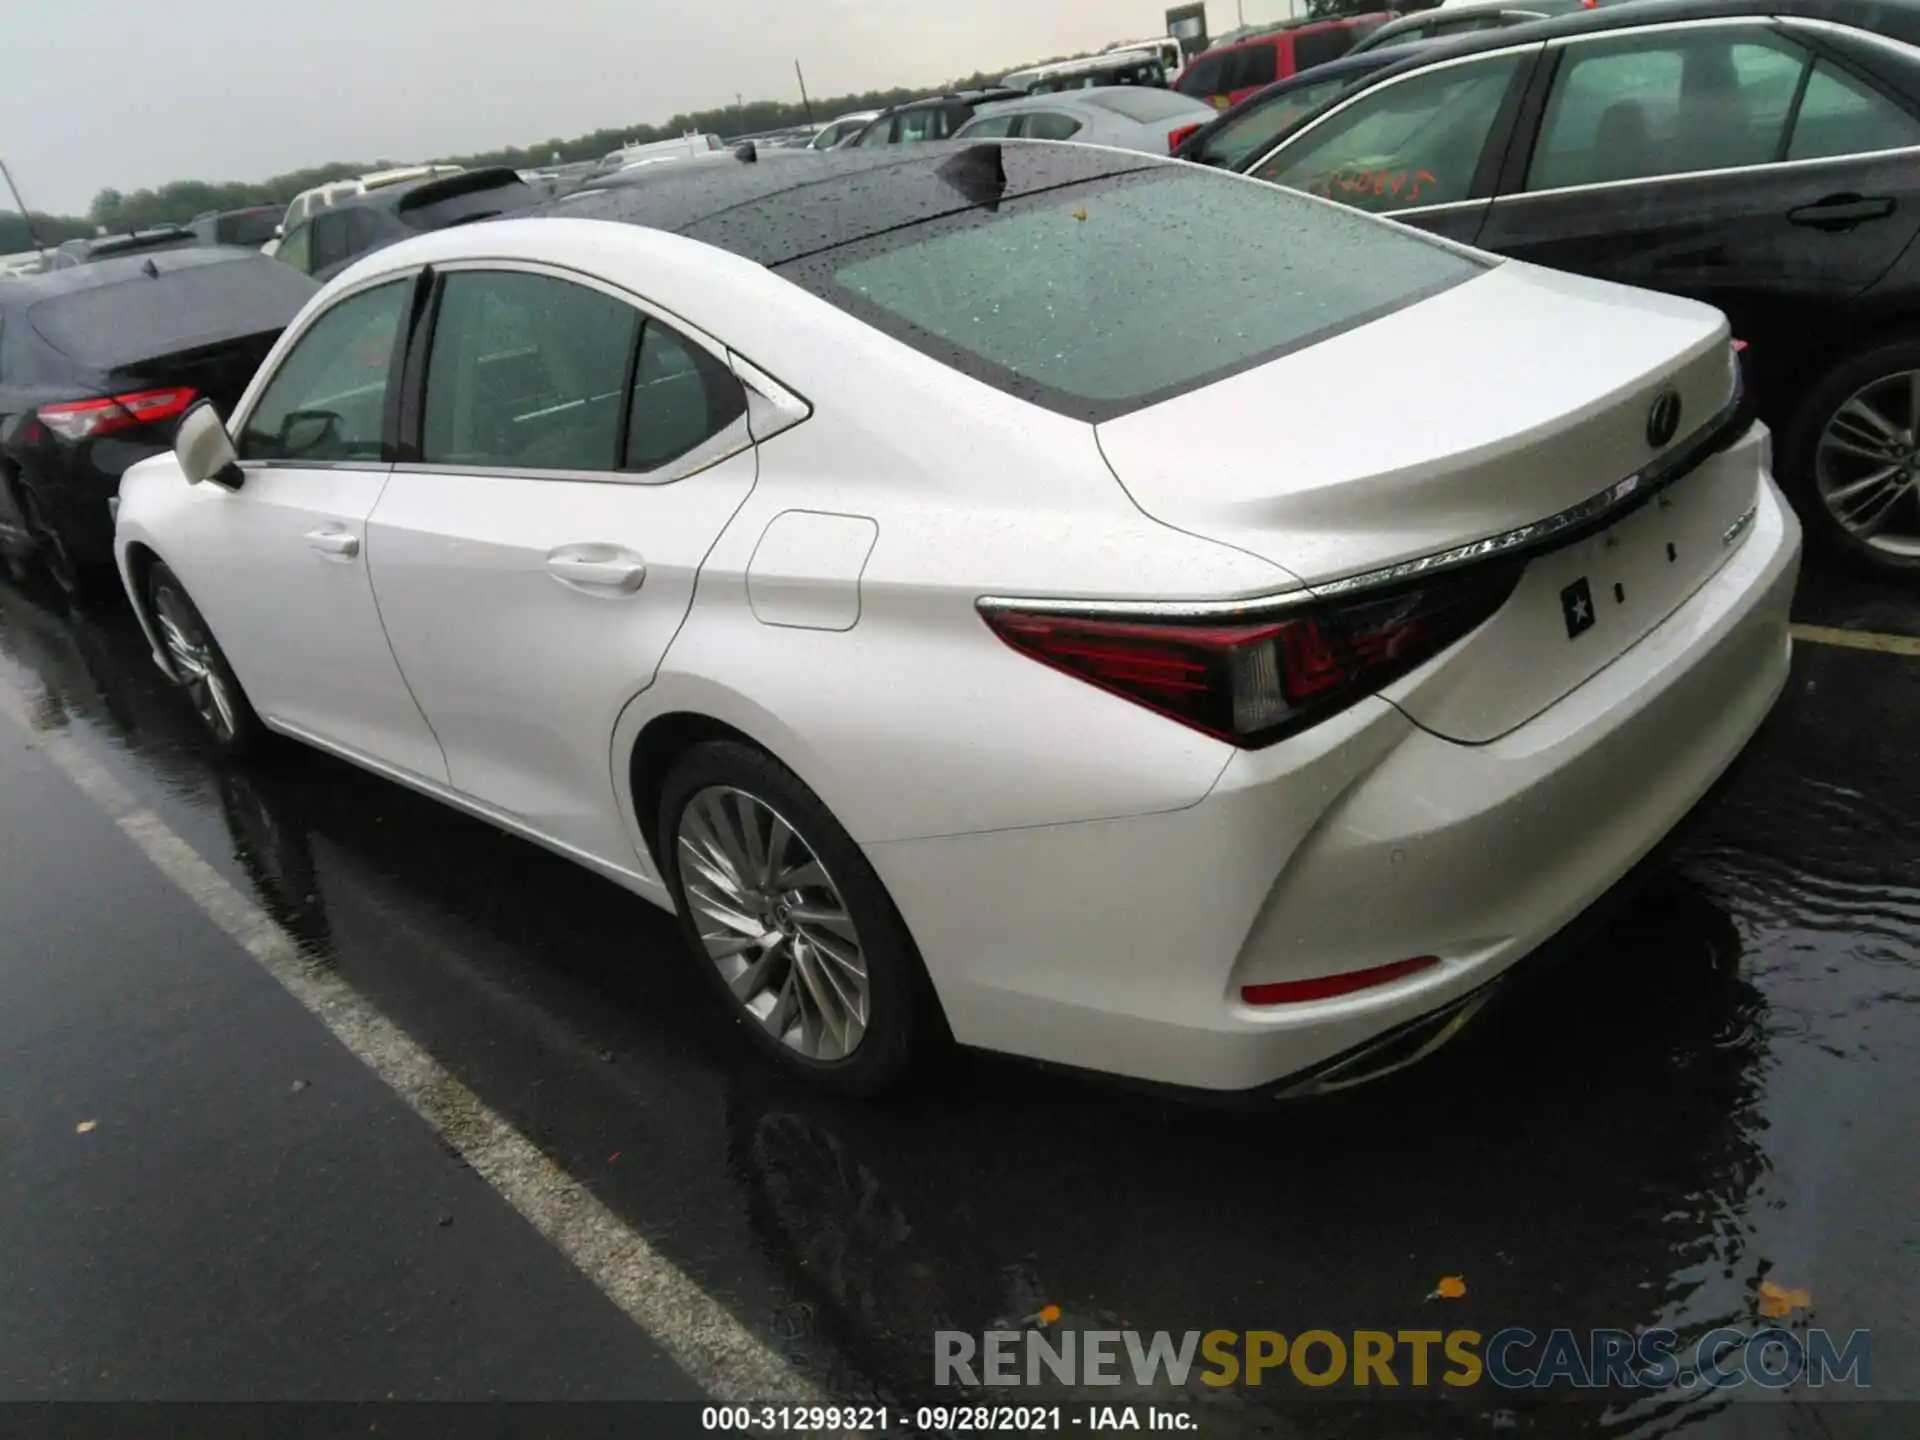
1487, 408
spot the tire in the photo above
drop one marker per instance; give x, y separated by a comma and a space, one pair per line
798, 962
1869, 399
201, 666
51, 551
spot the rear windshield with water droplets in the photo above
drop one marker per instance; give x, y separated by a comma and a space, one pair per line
1100, 298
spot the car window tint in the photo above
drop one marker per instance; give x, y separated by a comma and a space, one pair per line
526, 372
1086, 298
881, 132
1253, 65
1048, 125
1203, 77
327, 399
1415, 142
990, 127
297, 249
1317, 47
1254, 129
920, 125
330, 232
1663, 104
681, 395
1840, 115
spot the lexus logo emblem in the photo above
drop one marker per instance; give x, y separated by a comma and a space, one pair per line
1663, 420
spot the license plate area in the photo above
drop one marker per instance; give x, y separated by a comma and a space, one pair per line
1578, 607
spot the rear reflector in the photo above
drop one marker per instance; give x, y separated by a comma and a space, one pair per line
90, 419
1325, 987
1255, 681
1175, 137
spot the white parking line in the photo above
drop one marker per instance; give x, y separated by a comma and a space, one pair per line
1858, 639
720, 1354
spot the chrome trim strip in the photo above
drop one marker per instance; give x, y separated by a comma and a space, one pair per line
1561, 528
1764, 167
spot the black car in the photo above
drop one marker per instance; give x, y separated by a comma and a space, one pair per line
1760, 155
96, 364
935, 118
331, 239
251, 227
1252, 126
95, 248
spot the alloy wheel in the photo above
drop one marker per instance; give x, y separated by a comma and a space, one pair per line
191, 654
774, 923
1867, 464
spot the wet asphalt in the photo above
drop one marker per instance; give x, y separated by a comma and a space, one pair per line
1721, 1087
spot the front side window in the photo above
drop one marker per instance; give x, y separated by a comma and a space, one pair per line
326, 401
881, 132
1840, 115
1046, 125
1417, 141
1253, 130
1637, 106
526, 372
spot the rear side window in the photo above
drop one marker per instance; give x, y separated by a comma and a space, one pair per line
1841, 116
186, 305
1092, 300
990, 127
254, 228
681, 395
1254, 65
327, 399
1635, 106
526, 372
1049, 125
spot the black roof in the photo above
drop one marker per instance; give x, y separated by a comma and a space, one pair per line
819, 199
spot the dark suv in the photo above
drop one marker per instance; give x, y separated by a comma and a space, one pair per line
935, 118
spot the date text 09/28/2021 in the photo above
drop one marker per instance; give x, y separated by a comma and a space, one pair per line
941, 1419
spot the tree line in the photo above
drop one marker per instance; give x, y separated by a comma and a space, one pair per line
181, 200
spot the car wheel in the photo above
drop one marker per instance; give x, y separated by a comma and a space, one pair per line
1850, 458
200, 665
790, 923
51, 549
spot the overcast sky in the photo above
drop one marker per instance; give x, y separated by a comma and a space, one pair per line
127, 93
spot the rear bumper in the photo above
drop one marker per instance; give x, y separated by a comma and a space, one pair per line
1121, 946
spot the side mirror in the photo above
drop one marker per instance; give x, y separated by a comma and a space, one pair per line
204, 449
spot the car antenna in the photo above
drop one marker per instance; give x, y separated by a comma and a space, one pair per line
747, 154
151, 270
978, 173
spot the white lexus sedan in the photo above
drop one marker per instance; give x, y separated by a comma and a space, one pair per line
1093, 607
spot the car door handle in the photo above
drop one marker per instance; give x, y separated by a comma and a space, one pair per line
598, 567
334, 542
1842, 212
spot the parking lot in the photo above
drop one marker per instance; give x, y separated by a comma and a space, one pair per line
481, 1140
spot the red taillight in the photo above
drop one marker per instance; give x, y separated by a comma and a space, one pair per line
1325, 987
90, 419
1739, 347
1253, 682
1176, 137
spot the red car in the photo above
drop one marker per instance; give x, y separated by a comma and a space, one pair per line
1227, 74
